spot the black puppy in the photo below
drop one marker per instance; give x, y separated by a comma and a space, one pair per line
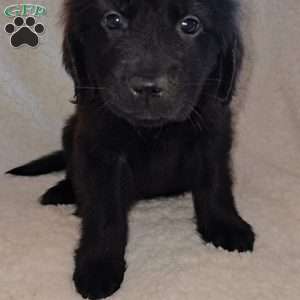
153, 82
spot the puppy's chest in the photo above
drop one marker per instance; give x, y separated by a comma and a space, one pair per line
160, 169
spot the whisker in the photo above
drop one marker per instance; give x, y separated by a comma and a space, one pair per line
201, 118
90, 88
198, 124
192, 122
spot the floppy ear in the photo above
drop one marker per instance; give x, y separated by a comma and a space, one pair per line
75, 65
228, 67
74, 62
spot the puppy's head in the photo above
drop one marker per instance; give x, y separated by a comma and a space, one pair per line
152, 61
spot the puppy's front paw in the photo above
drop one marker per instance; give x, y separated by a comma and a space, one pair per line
231, 235
98, 280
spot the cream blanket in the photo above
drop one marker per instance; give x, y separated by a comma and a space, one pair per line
166, 258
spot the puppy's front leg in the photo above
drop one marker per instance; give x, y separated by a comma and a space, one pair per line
103, 188
218, 220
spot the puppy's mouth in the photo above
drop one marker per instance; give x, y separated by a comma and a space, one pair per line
150, 121
142, 119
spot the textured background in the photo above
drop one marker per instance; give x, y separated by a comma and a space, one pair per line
166, 258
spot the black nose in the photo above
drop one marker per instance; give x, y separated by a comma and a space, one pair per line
144, 87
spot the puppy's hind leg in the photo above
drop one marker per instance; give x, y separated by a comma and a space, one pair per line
61, 193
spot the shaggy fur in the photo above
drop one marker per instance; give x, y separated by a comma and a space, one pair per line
152, 119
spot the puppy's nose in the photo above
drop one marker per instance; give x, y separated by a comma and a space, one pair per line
145, 87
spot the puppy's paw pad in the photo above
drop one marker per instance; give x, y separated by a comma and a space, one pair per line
24, 32
10, 28
231, 236
98, 281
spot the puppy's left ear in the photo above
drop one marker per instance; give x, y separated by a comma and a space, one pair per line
228, 69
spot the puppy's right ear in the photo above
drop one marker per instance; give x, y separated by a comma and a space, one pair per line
73, 60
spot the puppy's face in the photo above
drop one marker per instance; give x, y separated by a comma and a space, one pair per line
149, 61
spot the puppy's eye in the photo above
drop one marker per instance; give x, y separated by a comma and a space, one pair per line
114, 21
191, 25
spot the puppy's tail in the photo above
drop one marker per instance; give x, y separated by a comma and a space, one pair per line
52, 162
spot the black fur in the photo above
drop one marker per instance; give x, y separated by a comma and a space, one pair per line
152, 119
53, 162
